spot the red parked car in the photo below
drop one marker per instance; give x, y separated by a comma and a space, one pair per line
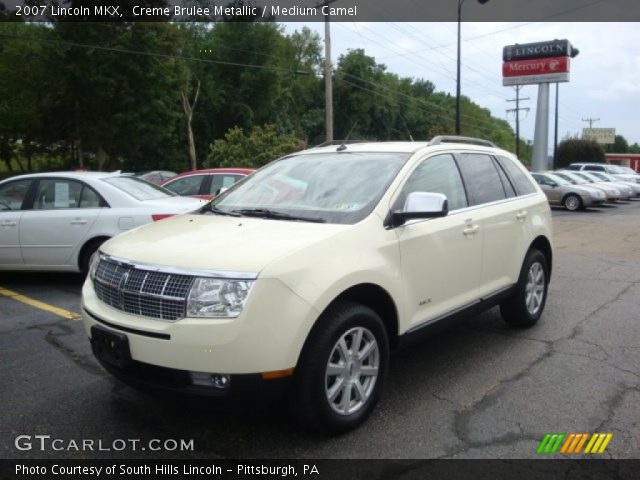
206, 183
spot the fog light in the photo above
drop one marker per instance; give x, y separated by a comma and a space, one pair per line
216, 380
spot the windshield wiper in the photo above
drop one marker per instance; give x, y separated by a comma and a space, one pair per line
209, 207
266, 213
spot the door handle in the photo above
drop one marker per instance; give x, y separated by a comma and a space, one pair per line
9, 223
521, 215
78, 221
471, 231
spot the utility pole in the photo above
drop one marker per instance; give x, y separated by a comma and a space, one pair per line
590, 121
517, 114
555, 138
328, 74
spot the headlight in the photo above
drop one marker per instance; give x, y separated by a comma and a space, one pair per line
216, 297
93, 264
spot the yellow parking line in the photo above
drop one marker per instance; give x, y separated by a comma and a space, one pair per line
61, 312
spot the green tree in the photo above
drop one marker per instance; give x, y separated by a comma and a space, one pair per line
619, 146
577, 150
257, 148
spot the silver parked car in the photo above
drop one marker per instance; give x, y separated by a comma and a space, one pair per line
606, 177
612, 193
561, 192
625, 192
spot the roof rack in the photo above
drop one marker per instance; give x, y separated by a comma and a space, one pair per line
457, 139
340, 142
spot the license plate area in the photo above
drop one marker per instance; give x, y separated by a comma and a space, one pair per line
110, 347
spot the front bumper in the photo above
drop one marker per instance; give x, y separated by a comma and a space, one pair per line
155, 379
268, 336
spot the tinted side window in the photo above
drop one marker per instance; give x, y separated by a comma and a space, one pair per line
520, 180
506, 183
437, 174
12, 194
573, 167
481, 178
594, 168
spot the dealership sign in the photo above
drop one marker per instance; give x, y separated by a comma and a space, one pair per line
604, 136
555, 48
535, 63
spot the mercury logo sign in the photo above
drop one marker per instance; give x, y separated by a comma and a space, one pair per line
554, 65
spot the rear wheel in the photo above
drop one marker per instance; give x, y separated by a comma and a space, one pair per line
526, 305
572, 202
342, 368
87, 251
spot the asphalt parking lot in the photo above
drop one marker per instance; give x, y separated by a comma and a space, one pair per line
478, 390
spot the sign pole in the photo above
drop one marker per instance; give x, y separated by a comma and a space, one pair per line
539, 160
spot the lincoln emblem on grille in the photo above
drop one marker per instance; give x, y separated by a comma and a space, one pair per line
123, 283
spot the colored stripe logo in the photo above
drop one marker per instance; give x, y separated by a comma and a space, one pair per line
573, 443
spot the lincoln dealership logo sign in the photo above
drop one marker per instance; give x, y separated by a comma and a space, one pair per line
541, 62
555, 48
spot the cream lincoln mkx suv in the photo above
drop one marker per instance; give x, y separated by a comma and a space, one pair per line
306, 274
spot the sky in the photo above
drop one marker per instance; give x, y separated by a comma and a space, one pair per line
605, 76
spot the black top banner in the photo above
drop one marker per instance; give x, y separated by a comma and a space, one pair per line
530, 51
319, 10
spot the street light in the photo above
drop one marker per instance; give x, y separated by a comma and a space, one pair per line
460, 2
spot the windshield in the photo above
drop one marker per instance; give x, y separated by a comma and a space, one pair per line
601, 176
139, 189
571, 178
559, 180
329, 187
588, 176
628, 170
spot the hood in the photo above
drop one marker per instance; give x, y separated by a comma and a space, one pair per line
213, 242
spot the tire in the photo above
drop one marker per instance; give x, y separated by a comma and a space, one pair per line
87, 251
311, 404
572, 202
517, 311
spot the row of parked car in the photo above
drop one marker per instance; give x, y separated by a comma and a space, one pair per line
57, 220
584, 185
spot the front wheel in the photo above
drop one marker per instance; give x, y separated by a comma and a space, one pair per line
572, 202
342, 368
526, 305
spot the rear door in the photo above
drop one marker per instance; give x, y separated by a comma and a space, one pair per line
58, 222
13, 196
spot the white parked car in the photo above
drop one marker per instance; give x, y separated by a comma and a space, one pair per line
635, 187
307, 273
56, 221
621, 173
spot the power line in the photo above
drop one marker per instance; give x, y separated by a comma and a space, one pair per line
590, 121
157, 54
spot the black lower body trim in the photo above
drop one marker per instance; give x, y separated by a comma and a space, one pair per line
418, 333
144, 333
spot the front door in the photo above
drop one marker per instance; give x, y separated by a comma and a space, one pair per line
440, 257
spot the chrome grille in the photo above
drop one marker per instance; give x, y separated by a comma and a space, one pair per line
142, 292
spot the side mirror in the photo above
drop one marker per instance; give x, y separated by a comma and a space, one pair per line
420, 205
